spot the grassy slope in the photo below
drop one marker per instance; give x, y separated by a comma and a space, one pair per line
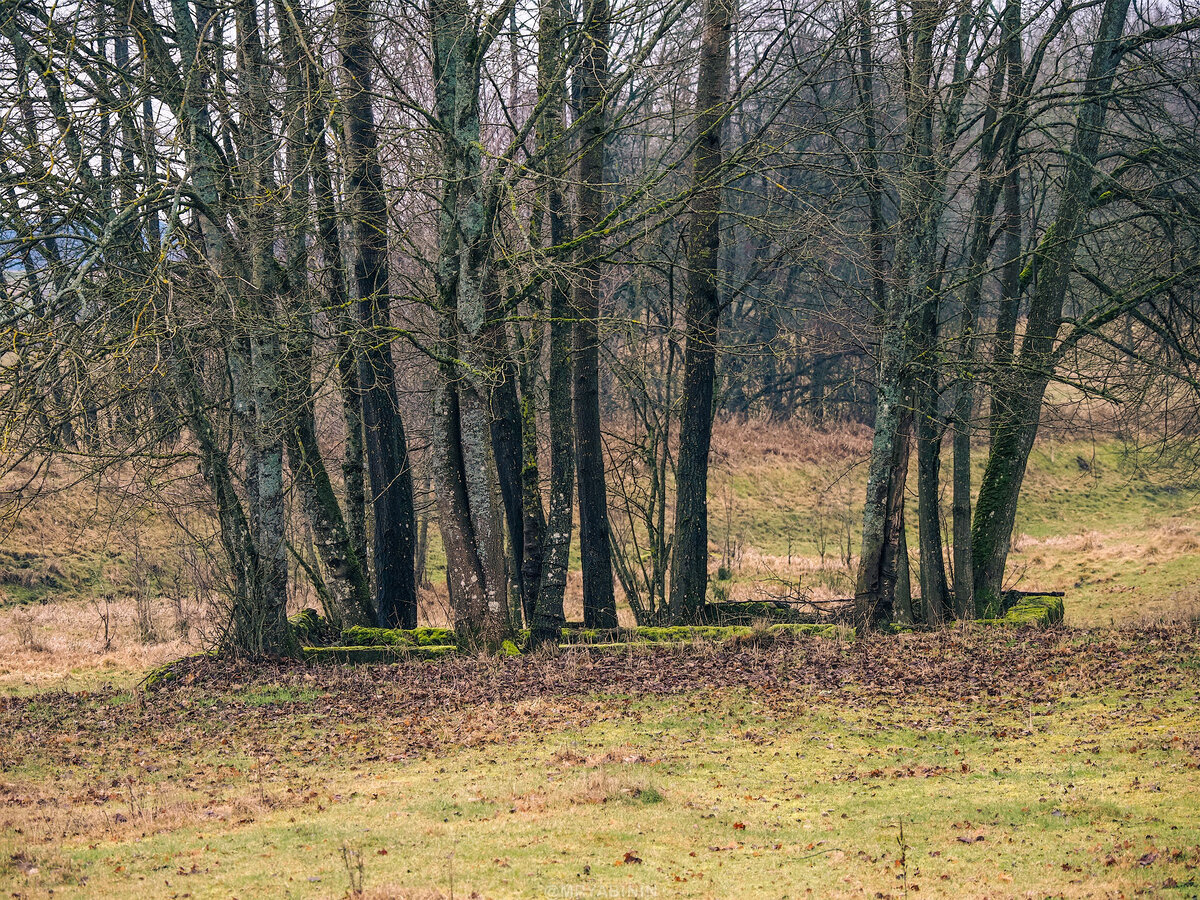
1120, 540
1075, 778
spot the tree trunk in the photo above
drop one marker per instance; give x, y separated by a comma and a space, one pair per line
689, 563
548, 613
883, 511
508, 449
533, 515
599, 603
934, 590
994, 145
261, 317
908, 321
1019, 396
258, 622
385, 444
469, 504
904, 613
347, 589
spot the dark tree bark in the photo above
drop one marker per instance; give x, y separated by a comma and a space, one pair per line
340, 312
385, 444
347, 589
689, 562
532, 513
599, 603
508, 449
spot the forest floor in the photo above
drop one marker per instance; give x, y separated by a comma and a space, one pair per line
968, 762
1018, 764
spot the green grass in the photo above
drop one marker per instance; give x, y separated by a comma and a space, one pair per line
705, 795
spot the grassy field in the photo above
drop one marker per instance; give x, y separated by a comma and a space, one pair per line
949, 765
962, 763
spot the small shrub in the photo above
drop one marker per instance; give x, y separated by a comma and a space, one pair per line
102, 606
27, 639
650, 795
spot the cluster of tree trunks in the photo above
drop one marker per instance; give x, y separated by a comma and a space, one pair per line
217, 239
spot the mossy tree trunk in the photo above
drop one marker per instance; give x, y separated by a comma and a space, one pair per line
1020, 390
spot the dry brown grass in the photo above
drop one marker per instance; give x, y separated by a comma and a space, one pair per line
61, 645
737, 443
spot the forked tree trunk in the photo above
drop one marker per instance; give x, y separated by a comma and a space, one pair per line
347, 590
995, 149
469, 503
1019, 396
906, 347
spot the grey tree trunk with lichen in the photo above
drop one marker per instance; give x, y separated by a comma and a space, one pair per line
469, 504
262, 313
548, 613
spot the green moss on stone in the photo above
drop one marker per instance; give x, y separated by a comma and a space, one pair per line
360, 636
1042, 612
1030, 612
308, 626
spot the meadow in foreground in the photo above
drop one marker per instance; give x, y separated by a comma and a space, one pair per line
961, 763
